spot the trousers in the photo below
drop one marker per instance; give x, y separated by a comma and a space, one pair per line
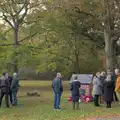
96, 100
14, 97
10, 94
57, 98
6, 98
115, 96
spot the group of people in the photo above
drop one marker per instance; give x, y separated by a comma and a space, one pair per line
9, 88
106, 86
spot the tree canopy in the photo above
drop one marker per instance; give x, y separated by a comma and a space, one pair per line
62, 35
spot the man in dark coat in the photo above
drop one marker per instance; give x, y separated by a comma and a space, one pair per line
4, 89
108, 91
74, 87
58, 89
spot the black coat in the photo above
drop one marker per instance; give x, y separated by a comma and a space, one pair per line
4, 84
108, 90
74, 87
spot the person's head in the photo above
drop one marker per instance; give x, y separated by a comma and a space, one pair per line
117, 72
109, 78
103, 74
59, 75
109, 72
75, 77
4, 73
98, 74
14, 74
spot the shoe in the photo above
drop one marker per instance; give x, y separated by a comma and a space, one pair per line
97, 105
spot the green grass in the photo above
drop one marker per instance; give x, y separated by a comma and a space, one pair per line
38, 83
34, 108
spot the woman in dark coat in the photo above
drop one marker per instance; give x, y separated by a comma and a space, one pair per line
74, 87
108, 91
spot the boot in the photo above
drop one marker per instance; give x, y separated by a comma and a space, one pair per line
107, 105
73, 105
77, 105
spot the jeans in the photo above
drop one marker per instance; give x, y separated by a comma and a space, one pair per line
57, 98
14, 97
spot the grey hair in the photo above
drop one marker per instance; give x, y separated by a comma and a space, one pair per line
109, 78
14, 74
102, 73
117, 71
58, 74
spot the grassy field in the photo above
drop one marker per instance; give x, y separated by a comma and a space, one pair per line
41, 108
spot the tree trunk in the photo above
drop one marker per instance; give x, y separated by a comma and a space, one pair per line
109, 43
16, 43
77, 66
109, 51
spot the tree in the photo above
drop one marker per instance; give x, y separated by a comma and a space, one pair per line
106, 15
15, 14
67, 48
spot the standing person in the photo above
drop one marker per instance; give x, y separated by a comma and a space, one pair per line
58, 89
114, 77
102, 80
97, 89
14, 88
74, 87
108, 91
10, 92
4, 89
117, 87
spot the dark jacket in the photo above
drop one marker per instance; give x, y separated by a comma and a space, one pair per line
10, 79
108, 90
57, 85
4, 84
102, 81
74, 87
15, 84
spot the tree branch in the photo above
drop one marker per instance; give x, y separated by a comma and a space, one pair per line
20, 40
18, 12
63, 57
25, 13
6, 19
